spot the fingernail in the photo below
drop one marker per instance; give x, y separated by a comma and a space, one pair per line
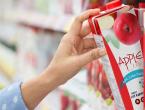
102, 52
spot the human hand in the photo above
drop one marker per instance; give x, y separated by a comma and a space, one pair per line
75, 50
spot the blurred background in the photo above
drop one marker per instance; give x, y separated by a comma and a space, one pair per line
30, 31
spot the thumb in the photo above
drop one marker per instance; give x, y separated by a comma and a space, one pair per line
91, 55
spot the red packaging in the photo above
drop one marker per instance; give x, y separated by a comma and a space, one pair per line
100, 94
142, 6
119, 29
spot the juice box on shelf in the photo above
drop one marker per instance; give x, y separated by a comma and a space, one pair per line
100, 94
119, 30
68, 103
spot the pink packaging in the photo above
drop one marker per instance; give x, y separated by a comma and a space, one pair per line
100, 94
120, 30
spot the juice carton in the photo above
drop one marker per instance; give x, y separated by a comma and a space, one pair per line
119, 30
142, 8
100, 94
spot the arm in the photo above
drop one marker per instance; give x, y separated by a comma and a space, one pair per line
73, 53
11, 98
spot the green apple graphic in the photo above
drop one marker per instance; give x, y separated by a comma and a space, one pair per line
111, 38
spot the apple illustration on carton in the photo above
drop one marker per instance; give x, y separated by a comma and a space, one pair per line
127, 29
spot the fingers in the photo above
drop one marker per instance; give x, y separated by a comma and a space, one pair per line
90, 56
86, 30
86, 50
89, 43
77, 24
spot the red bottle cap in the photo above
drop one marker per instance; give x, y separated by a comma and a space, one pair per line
141, 5
113, 4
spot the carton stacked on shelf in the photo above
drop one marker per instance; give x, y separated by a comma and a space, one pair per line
68, 103
100, 94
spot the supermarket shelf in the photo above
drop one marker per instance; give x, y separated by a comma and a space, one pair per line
7, 62
3, 81
41, 21
86, 107
79, 91
78, 84
8, 33
82, 76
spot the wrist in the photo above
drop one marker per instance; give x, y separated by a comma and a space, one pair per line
49, 78
55, 75
34, 90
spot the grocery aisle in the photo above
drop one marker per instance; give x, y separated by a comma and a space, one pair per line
30, 32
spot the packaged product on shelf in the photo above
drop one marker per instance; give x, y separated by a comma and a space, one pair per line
3, 81
69, 103
119, 29
35, 51
100, 94
132, 2
1, 86
64, 102
91, 4
41, 5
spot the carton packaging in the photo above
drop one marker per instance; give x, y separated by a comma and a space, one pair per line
100, 94
119, 29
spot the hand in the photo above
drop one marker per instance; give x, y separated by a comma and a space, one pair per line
75, 50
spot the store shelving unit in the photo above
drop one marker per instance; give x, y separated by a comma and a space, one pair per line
40, 21
79, 85
7, 62
36, 21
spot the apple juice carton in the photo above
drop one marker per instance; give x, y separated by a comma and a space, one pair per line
118, 30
